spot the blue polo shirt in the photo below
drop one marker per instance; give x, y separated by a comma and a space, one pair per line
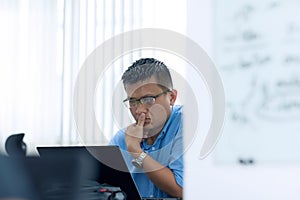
167, 150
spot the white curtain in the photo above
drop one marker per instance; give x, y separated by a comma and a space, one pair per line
44, 44
30, 79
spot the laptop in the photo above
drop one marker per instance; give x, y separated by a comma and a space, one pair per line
104, 164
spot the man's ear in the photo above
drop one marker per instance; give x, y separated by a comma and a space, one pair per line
173, 96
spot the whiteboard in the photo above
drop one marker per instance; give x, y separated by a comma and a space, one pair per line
257, 52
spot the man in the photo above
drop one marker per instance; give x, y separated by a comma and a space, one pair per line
154, 141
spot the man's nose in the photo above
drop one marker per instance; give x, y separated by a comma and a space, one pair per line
140, 108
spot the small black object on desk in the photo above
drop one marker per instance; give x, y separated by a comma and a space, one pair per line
15, 146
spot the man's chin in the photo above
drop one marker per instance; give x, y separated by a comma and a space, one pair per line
147, 136
151, 130
147, 126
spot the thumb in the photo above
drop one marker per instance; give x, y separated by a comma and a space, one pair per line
141, 120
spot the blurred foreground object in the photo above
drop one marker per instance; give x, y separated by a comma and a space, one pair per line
15, 183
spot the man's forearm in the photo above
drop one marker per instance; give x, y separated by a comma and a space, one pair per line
162, 177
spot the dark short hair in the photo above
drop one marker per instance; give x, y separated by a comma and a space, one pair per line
144, 69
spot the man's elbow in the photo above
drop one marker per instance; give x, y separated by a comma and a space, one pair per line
178, 193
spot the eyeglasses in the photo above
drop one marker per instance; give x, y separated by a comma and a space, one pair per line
147, 100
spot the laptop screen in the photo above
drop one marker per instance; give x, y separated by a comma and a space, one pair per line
104, 164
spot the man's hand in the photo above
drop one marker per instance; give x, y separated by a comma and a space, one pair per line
134, 136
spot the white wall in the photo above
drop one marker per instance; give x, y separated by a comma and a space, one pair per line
206, 180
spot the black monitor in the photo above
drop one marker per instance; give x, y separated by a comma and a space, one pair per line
104, 164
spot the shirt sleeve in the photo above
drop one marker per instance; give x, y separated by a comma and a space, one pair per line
119, 139
113, 141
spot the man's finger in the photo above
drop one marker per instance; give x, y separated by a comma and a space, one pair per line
141, 120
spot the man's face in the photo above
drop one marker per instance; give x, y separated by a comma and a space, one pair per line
157, 114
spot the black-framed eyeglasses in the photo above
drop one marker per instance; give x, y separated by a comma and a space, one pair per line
146, 100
